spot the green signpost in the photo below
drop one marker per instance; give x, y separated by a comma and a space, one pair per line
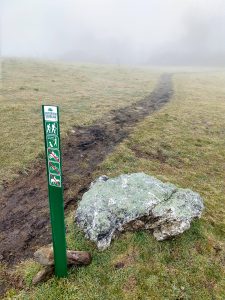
55, 189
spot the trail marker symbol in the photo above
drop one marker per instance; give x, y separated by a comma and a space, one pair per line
55, 180
53, 141
54, 168
51, 128
53, 155
55, 189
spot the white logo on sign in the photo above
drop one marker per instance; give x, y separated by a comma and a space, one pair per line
50, 113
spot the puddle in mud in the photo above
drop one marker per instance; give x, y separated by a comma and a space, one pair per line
24, 212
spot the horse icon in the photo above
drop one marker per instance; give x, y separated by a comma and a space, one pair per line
55, 181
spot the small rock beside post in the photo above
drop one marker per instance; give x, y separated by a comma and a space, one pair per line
45, 257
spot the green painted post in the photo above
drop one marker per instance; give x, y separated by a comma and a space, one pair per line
55, 188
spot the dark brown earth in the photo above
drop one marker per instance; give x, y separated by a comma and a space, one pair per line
24, 212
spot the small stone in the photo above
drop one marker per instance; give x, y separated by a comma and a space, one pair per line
119, 265
45, 256
102, 178
217, 248
138, 224
43, 275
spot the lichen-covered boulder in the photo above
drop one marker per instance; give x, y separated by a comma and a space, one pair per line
132, 202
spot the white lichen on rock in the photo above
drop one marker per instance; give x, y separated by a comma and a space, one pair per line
132, 202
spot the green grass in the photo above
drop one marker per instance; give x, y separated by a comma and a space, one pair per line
83, 92
183, 143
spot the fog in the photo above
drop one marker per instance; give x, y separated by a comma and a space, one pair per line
152, 32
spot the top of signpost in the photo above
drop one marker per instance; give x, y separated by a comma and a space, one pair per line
50, 113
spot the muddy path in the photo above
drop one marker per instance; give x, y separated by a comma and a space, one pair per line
24, 212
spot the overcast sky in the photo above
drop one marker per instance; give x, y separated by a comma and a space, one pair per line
115, 31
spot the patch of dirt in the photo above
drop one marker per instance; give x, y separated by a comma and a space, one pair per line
24, 211
127, 259
8, 280
130, 285
158, 155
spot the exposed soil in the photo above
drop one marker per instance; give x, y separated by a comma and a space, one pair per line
24, 211
158, 155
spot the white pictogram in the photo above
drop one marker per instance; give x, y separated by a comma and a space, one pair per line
55, 142
55, 181
51, 128
48, 128
52, 141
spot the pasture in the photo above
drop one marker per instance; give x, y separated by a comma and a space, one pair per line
182, 142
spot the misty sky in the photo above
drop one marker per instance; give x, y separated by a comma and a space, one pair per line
115, 31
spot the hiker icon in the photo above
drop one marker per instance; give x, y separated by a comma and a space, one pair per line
48, 128
51, 128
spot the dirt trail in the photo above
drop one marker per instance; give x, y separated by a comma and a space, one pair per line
24, 212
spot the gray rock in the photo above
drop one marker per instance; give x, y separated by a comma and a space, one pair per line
133, 202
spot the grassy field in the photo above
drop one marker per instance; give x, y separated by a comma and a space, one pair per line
184, 143
84, 93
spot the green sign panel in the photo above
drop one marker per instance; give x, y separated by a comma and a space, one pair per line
55, 189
